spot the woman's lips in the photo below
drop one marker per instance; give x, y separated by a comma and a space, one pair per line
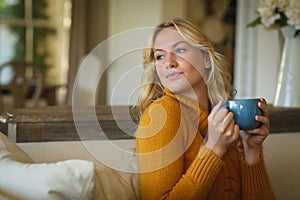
173, 75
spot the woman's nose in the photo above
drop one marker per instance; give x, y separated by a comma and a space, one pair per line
170, 60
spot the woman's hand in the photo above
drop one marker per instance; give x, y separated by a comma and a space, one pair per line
253, 139
222, 130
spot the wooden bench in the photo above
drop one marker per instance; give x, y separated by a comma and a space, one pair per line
116, 122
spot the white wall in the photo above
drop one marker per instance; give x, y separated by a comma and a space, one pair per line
281, 154
124, 73
126, 70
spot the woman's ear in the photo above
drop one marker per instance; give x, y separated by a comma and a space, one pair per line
207, 62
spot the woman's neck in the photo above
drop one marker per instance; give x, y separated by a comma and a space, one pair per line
202, 97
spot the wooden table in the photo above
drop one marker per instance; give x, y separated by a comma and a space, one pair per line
284, 119
57, 123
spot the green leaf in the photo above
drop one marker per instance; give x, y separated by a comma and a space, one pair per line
254, 23
282, 21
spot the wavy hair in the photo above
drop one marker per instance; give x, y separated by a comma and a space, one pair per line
218, 76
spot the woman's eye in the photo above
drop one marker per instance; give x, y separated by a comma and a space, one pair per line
159, 57
180, 50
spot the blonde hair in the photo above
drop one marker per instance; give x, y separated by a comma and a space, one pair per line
218, 77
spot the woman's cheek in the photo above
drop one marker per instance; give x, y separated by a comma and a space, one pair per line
160, 72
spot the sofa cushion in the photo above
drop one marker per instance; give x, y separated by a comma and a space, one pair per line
21, 178
113, 184
113, 178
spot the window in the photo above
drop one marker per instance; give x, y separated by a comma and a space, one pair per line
36, 31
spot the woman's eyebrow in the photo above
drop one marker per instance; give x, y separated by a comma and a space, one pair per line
157, 50
179, 42
173, 46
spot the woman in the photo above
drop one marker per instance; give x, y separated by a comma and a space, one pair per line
188, 148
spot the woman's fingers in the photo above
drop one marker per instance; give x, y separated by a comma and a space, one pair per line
265, 122
216, 109
262, 104
264, 119
217, 115
228, 122
231, 130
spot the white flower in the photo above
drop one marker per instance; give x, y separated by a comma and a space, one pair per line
278, 13
266, 10
268, 16
293, 13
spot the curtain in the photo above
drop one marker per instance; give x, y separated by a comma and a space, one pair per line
77, 42
88, 29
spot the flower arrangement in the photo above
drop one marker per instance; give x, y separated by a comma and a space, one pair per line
278, 14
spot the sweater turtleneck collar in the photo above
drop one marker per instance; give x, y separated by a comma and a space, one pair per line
197, 113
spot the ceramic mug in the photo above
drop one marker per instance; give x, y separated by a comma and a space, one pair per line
244, 111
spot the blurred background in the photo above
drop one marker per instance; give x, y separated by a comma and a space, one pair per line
49, 39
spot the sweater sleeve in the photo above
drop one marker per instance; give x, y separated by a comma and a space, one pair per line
160, 157
255, 181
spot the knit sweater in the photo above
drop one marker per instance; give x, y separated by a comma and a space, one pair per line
174, 164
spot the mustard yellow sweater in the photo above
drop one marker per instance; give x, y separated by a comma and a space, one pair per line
171, 165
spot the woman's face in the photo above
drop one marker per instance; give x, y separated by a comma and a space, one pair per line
180, 66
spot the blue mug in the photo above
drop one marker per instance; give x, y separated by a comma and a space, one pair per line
244, 111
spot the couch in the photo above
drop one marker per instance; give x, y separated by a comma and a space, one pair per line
67, 170
80, 174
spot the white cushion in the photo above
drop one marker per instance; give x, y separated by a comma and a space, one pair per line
20, 178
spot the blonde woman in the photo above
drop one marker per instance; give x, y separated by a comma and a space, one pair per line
188, 148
